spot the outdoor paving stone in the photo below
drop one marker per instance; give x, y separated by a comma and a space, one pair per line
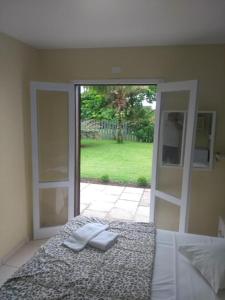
93, 213
83, 185
96, 187
83, 207
92, 194
146, 194
141, 218
109, 198
120, 214
114, 190
85, 199
133, 190
112, 202
129, 206
143, 210
130, 196
98, 196
142, 214
101, 206
145, 201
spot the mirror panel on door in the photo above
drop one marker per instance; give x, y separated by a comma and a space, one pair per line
205, 136
171, 142
204, 143
173, 127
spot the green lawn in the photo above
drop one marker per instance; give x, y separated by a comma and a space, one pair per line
123, 163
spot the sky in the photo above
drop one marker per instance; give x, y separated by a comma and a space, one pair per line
152, 105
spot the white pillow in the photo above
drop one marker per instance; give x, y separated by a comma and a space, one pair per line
209, 260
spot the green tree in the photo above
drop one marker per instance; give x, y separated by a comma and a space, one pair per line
95, 105
121, 103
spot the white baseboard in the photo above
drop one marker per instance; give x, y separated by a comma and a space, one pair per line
13, 251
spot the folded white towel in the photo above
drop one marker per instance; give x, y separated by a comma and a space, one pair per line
83, 235
104, 240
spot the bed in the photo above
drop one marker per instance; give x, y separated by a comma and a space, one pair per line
149, 266
174, 277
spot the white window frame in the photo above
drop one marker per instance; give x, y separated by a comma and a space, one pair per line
119, 81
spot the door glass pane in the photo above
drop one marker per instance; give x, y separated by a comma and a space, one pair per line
172, 133
53, 206
167, 215
53, 140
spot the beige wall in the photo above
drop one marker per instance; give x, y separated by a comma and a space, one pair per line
17, 67
205, 63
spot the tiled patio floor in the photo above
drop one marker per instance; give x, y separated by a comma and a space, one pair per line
115, 202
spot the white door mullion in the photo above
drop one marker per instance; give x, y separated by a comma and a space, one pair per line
167, 197
155, 157
49, 185
71, 151
35, 169
188, 157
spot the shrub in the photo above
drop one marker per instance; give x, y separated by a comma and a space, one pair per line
142, 181
143, 127
105, 178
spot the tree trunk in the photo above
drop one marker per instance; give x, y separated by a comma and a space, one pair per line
119, 136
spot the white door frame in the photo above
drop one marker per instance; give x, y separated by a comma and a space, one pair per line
45, 86
74, 140
119, 81
184, 202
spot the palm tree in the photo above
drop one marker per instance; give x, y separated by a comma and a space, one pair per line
117, 99
120, 102
126, 102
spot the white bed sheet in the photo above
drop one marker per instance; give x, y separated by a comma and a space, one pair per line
174, 278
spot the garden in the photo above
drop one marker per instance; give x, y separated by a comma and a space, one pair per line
117, 127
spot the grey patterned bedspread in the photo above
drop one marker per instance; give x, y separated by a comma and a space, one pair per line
56, 272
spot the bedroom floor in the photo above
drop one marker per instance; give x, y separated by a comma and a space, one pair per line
18, 259
115, 202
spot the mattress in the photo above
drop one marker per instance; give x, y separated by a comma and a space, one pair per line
174, 278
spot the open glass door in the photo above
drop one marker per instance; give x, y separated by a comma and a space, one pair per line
53, 158
173, 154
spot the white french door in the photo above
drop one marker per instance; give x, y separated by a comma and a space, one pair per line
53, 158
173, 154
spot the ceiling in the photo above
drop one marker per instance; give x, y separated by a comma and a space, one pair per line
113, 23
